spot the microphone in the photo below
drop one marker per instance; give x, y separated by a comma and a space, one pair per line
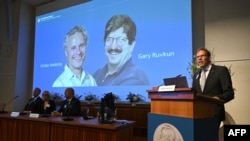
3, 105
162, 84
79, 97
178, 75
67, 112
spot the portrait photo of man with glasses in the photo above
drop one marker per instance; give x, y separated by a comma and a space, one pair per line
119, 43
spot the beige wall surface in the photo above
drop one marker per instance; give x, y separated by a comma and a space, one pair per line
8, 51
16, 54
227, 33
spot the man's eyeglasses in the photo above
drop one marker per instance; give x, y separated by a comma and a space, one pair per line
120, 41
200, 56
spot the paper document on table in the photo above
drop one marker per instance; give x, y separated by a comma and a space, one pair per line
166, 88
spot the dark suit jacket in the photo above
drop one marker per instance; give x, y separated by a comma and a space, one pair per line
35, 106
218, 83
49, 109
73, 109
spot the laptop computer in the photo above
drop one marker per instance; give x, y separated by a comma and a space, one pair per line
179, 81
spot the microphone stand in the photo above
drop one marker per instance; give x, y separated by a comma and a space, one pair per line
3, 105
67, 114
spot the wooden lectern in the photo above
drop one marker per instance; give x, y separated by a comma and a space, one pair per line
193, 114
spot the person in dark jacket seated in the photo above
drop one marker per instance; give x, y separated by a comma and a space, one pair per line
34, 104
71, 106
48, 104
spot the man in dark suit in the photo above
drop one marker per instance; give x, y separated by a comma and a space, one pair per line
217, 82
34, 104
71, 106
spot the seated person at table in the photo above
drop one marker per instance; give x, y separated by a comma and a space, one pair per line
34, 104
48, 104
71, 106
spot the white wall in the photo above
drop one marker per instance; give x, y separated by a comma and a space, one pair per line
16, 55
8, 52
227, 32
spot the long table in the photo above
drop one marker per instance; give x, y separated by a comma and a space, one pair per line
25, 128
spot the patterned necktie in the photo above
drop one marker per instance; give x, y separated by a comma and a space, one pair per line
203, 79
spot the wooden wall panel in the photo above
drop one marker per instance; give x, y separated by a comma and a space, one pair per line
22, 130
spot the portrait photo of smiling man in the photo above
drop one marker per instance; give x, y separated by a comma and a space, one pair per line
74, 75
119, 43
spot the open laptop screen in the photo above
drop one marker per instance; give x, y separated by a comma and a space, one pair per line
179, 82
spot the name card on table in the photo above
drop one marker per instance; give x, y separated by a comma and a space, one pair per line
166, 88
14, 114
33, 115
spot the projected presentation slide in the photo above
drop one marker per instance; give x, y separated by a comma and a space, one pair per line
125, 46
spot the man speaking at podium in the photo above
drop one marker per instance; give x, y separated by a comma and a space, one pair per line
214, 81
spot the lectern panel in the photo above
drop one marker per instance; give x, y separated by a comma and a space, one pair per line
182, 108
